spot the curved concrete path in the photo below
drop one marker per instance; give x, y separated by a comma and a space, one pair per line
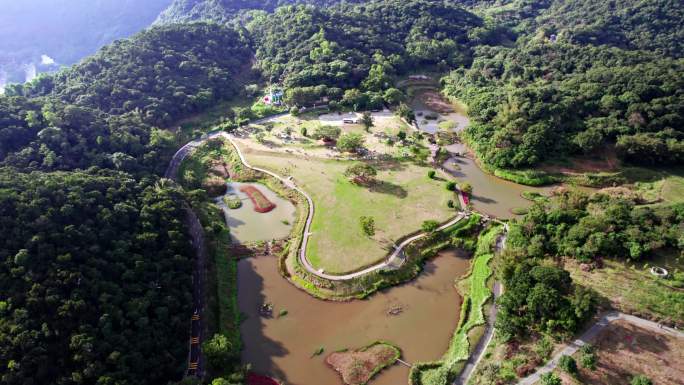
186, 150
481, 346
304, 260
591, 333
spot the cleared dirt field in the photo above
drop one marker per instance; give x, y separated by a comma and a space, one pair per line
401, 199
625, 350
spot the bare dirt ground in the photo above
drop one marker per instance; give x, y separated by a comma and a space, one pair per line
357, 367
625, 350
607, 162
435, 101
219, 168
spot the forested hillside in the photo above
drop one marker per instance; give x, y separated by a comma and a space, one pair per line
163, 73
304, 46
652, 25
102, 112
96, 265
541, 99
95, 276
224, 10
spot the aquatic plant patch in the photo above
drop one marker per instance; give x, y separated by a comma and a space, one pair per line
232, 201
261, 203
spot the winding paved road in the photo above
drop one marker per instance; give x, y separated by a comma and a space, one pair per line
590, 334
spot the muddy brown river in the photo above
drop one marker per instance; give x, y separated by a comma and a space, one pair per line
283, 347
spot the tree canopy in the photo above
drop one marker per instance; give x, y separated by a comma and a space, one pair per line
540, 100
95, 275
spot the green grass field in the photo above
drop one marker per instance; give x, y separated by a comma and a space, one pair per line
399, 202
632, 289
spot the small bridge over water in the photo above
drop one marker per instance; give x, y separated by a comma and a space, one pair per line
404, 363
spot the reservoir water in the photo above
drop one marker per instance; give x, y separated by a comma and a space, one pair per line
283, 347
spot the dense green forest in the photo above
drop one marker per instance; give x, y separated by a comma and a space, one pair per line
39, 135
96, 265
540, 299
104, 111
162, 73
543, 99
95, 275
650, 25
589, 227
338, 46
581, 75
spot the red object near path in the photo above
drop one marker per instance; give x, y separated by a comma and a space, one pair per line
256, 379
465, 197
261, 203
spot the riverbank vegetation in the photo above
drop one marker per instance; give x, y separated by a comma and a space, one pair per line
223, 313
476, 294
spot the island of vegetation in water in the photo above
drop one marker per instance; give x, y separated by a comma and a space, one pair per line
357, 367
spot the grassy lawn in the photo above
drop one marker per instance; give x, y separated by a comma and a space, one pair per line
632, 289
399, 202
665, 186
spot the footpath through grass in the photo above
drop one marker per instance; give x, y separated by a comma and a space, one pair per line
472, 315
400, 201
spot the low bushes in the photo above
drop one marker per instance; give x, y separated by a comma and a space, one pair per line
533, 196
526, 177
233, 202
568, 365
